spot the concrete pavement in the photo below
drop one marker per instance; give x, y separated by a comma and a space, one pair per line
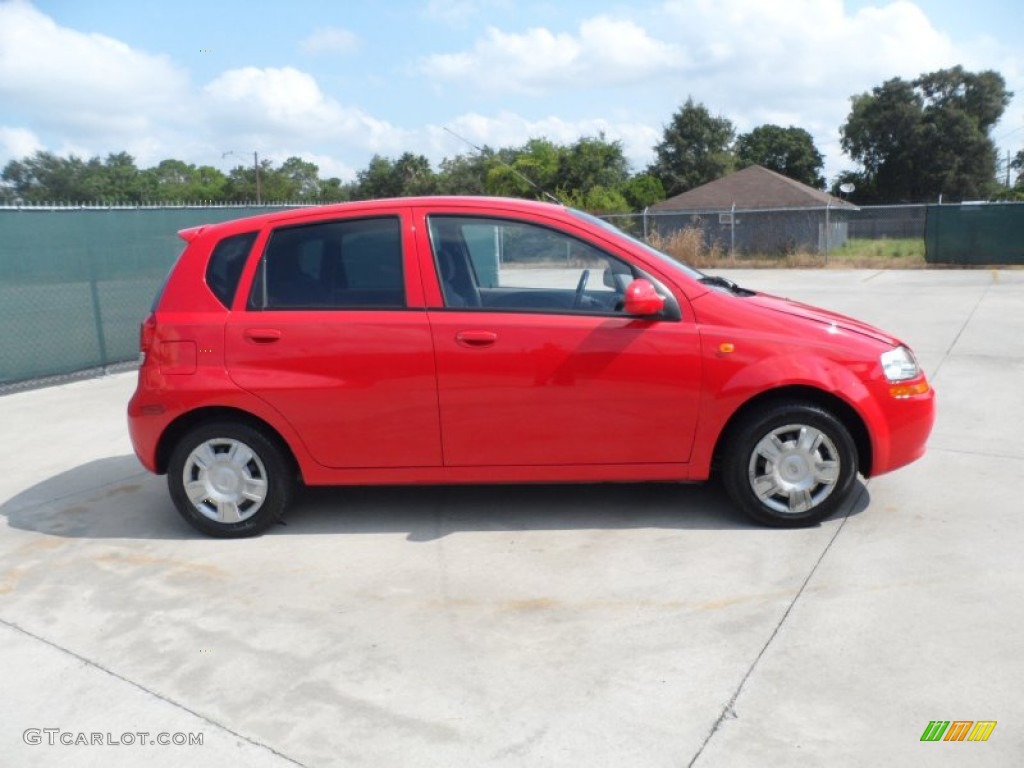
541, 626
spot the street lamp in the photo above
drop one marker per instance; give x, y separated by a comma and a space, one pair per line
255, 167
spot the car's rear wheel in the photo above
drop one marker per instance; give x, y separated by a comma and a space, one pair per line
229, 480
790, 464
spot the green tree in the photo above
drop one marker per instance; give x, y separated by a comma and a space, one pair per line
695, 149
168, 181
928, 137
465, 174
540, 168
45, 177
789, 151
408, 175
117, 179
241, 183
592, 162
174, 181
207, 185
378, 179
643, 190
276, 186
301, 179
597, 199
333, 190
529, 171
1017, 164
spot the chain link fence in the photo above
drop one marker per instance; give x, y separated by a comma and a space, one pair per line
780, 231
76, 282
888, 222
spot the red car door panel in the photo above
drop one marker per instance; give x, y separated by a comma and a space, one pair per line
535, 389
359, 386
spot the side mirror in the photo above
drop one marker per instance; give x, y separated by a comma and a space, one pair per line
642, 300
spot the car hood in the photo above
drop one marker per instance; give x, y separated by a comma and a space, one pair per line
824, 316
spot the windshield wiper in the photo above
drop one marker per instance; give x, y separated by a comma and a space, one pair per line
723, 282
720, 282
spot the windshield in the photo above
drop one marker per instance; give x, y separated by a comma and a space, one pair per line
663, 257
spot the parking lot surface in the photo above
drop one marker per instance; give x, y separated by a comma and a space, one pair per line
621, 625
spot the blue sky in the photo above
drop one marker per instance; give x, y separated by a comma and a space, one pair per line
337, 82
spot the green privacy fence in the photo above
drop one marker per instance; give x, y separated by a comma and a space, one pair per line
982, 234
76, 282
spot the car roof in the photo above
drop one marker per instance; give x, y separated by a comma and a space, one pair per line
510, 204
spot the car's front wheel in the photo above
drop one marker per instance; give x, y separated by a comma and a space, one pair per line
790, 464
229, 480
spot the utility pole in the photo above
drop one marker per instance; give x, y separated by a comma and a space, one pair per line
255, 167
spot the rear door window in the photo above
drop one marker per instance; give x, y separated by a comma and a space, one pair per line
348, 264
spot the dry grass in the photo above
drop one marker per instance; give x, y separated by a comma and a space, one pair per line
687, 245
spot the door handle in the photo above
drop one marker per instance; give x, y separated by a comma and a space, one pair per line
476, 338
262, 335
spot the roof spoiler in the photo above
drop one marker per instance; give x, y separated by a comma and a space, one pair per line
191, 233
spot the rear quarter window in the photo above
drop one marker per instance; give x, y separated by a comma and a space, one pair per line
226, 264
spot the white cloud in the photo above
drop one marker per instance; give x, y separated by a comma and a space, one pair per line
18, 142
328, 165
91, 82
287, 104
605, 51
330, 40
804, 44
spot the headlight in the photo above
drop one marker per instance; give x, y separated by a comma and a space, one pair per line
899, 364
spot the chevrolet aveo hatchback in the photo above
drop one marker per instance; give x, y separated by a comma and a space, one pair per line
483, 340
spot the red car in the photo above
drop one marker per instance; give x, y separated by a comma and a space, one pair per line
484, 340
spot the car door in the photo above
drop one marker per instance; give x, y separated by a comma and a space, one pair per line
537, 365
327, 337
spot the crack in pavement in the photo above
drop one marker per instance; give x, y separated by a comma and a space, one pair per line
935, 374
728, 710
983, 454
144, 689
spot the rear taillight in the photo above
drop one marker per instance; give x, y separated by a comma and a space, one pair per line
147, 332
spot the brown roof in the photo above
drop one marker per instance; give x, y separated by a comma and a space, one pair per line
753, 187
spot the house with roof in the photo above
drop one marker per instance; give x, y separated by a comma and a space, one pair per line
756, 210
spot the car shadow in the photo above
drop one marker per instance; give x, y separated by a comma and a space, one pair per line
116, 498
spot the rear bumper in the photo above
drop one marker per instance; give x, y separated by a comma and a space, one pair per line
147, 421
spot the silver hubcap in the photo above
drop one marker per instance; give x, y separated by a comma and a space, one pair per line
793, 469
225, 480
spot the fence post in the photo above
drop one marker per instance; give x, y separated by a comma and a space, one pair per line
97, 314
732, 233
828, 230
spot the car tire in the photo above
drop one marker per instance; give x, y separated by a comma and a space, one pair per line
230, 480
789, 464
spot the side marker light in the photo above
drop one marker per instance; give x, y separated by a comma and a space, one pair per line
909, 390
